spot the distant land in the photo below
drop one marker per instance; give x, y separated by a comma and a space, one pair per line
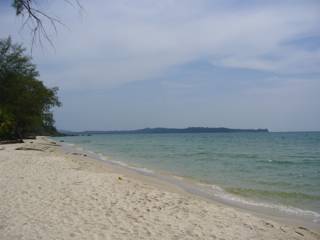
167, 130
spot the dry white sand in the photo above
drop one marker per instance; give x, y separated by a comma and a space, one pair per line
49, 194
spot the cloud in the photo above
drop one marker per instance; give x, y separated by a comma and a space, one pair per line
116, 42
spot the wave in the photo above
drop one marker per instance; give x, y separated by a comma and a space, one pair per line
279, 162
69, 144
237, 155
141, 170
229, 197
288, 162
248, 192
85, 141
119, 163
275, 182
102, 157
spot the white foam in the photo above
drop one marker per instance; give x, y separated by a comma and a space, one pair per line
79, 148
119, 163
102, 157
144, 170
219, 192
70, 144
178, 177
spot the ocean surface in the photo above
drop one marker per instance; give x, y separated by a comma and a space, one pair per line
273, 170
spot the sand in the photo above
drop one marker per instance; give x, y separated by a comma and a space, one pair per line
46, 193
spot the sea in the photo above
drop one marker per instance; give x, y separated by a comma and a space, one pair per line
274, 172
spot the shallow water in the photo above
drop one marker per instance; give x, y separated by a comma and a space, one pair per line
267, 169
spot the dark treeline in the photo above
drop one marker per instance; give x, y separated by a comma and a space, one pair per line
170, 130
25, 102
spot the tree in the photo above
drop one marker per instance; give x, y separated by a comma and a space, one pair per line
25, 103
36, 17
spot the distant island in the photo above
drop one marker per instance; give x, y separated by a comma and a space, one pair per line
167, 130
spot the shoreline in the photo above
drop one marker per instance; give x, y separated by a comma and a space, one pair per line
84, 196
285, 214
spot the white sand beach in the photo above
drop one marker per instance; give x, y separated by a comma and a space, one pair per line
46, 193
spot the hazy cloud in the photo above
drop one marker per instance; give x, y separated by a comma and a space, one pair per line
115, 43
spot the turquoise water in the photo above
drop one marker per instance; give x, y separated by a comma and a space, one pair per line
276, 168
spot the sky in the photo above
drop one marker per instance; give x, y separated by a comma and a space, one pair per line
147, 63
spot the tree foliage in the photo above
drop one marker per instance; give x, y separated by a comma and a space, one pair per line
25, 103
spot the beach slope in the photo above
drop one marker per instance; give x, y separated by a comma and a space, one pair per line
46, 193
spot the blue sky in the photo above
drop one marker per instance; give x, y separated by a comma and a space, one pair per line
146, 63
